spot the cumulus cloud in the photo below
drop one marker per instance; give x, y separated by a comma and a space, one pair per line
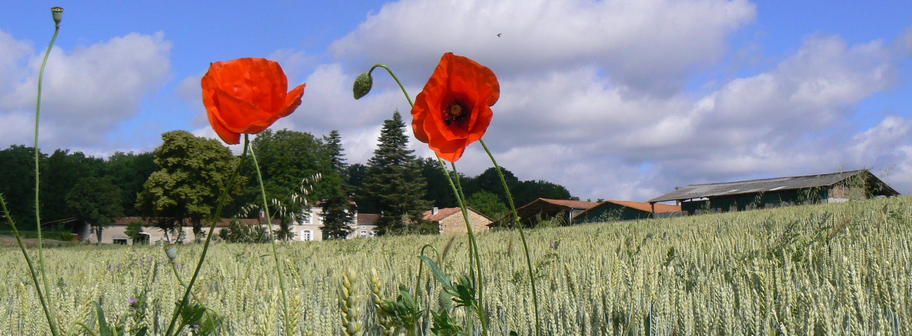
87, 91
651, 45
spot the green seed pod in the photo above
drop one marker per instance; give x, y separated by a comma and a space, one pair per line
362, 85
57, 14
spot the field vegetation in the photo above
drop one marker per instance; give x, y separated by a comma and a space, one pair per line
807, 270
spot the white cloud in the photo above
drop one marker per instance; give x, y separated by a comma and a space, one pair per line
647, 44
89, 90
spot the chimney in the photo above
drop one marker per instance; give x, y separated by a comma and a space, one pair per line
434, 211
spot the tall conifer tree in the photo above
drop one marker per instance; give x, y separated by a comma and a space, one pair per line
338, 211
394, 181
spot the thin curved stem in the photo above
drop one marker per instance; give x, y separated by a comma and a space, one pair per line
460, 197
421, 263
216, 217
465, 216
43, 271
522, 235
275, 253
456, 191
28, 261
390, 71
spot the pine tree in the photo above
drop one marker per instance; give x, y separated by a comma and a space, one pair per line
338, 210
394, 181
333, 144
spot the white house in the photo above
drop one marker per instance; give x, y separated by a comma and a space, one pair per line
310, 228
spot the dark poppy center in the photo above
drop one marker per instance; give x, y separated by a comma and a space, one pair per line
457, 112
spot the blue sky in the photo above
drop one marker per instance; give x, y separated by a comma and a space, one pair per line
629, 99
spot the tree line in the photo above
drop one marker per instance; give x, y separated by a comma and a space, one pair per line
179, 183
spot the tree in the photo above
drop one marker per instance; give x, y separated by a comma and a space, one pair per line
394, 181
489, 181
488, 204
528, 191
333, 145
59, 174
130, 171
439, 191
191, 174
17, 184
95, 201
289, 160
355, 175
134, 231
338, 211
337, 208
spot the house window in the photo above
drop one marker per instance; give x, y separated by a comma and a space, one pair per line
120, 241
308, 217
306, 235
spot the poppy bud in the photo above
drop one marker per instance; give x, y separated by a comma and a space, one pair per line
172, 253
57, 14
363, 85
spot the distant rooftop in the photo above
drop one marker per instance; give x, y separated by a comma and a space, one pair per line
769, 184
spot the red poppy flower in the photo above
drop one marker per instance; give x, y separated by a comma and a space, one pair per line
247, 95
454, 108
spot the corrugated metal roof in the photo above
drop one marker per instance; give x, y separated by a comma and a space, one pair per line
759, 185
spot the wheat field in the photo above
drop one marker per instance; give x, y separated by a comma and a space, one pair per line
834, 269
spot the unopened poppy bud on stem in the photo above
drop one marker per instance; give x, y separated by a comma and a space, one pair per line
57, 14
362, 85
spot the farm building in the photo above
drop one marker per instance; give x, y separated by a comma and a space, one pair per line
548, 209
607, 211
450, 220
779, 191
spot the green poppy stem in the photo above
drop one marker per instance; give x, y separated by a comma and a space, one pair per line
474, 257
522, 235
460, 197
275, 253
216, 217
31, 267
390, 71
49, 309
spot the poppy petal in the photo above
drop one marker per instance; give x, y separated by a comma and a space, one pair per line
227, 136
292, 100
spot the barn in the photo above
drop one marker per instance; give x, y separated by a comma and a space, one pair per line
608, 211
779, 191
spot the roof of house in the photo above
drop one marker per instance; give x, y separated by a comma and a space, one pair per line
440, 215
151, 221
447, 212
565, 203
367, 219
642, 206
768, 184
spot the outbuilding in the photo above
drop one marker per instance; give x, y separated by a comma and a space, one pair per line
779, 191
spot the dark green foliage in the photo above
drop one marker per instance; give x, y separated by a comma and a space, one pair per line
134, 231
488, 204
17, 184
237, 232
394, 181
129, 172
529, 191
338, 211
95, 201
60, 172
355, 175
333, 146
439, 191
191, 172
